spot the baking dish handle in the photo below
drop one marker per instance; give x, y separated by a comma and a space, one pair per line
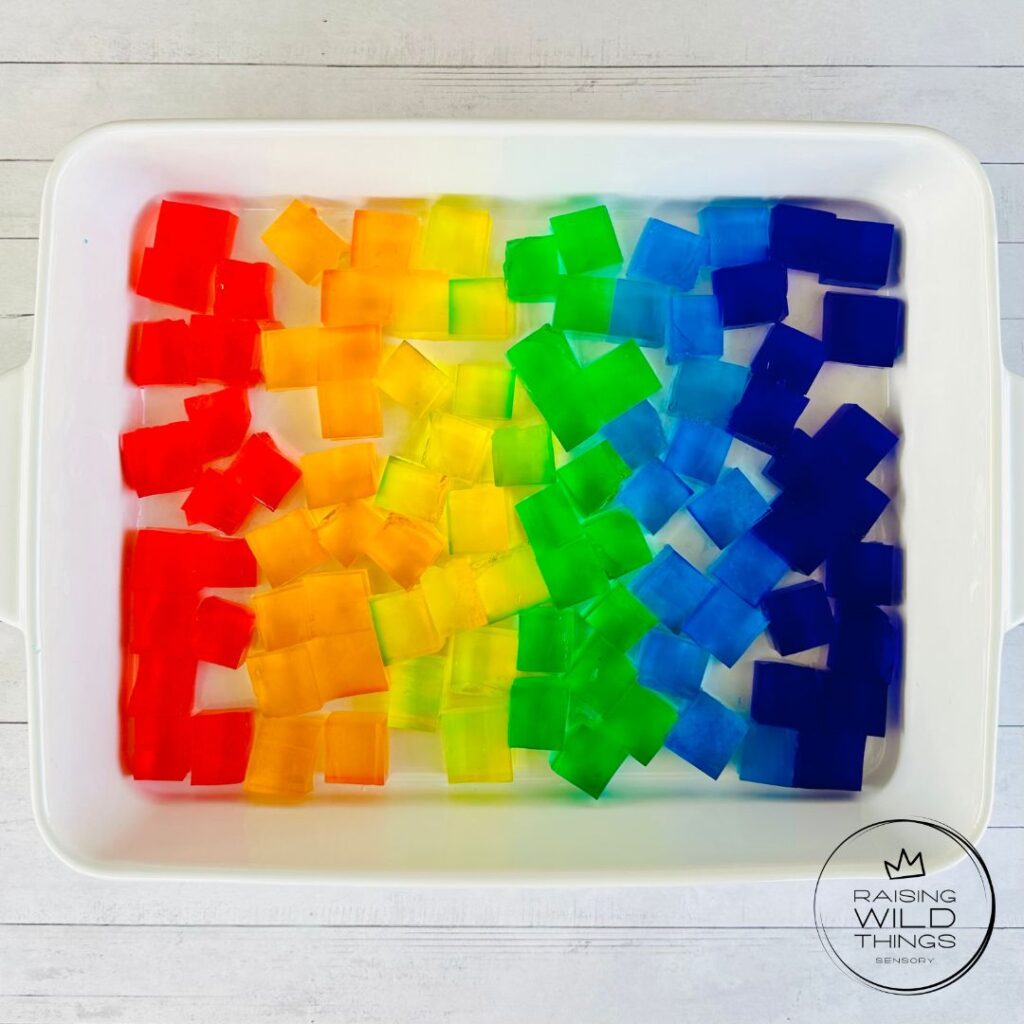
1014, 503
12, 417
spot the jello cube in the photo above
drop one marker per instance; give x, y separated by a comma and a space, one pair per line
356, 748
637, 435
766, 414
412, 490
829, 759
222, 419
158, 353
583, 304
694, 327
544, 362
289, 357
754, 293
668, 254
225, 349
538, 710
223, 631
456, 446
284, 756
548, 518
383, 240
263, 471
160, 747
620, 618
547, 639
789, 357
478, 520
286, 547
591, 754
404, 626
414, 693
510, 582
221, 741
283, 681
671, 665
618, 380
640, 310
218, 500
161, 617
347, 353
156, 460
793, 462
707, 734
593, 478
586, 240
338, 602
482, 658
857, 253
531, 268
654, 494
735, 232
618, 540
866, 644
478, 308
671, 587
346, 531
410, 379
347, 664
457, 239
728, 508
799, 617
303, 242
164, 685
483, 391
341, 473
453, 596
799, 235
404, 548
243, 290
283, 616
870, 573
851, 441
641, 720
419, 306
707, 390
523, 455
351, 296
725, 625
866, 330
476, 743
767, 755
599, 675
349, 408
697, 450
165, 279
573, 573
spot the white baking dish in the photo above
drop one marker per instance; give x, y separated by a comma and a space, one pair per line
957, 405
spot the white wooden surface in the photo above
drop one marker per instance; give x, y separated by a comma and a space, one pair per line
73, 948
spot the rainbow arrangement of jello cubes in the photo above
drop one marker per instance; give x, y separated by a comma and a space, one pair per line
499, 571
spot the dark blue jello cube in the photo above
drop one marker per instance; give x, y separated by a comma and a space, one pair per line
736, 232
752, 294
706, 389
851, 441
695, 327
671, 588
668, 254
766, 414
640, 310
725, 625
866, 330
855, 703
857, 253
767, 755
671, 665
786, 695
799, 236
654, 494
637, 435
697, 450
829, 759
790, 357
869, 573
799, 617
707, 734
728, 508
867, 643
792, 461
748, 568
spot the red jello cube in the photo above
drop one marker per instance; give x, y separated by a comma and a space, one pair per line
222, 419
221, 742
161, 747
162, 558
156, 460
191, 231
263, 471
244, 290
158, 353
225, 350
223, 631
227, 562
165, 278
218, 501
161, 618
165, 684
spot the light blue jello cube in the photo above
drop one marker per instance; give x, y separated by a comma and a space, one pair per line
707, 390
670, 664
736, 232
748, 568
767, 755
640, 310
728, 508
695, 327
707, 734
668, 254
725, 625
697, 450
671, 587
654, 494
637, 435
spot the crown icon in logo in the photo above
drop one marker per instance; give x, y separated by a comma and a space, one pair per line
905, 867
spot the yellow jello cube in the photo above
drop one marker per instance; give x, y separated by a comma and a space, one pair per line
284, 756
339, 474
457, 447
338, 602
349, 408
510, 582
415, 693
478, 520
347, 664
284, 681
405, 548
303, 242
409, 378
479, 309
348, 353
347, 529
350, 297
286, 547
282, 616
484, 391
476, 742
483, 658
452, 596
404, 626
382, 240
289, 357
457, 239
420, 305
412, 490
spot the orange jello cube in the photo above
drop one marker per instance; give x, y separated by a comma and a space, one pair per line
303, 242
351, 296
284, 756
349, 408
347, 664
339, 474
348, 353
284, 681
347, 529
382, 240
356, 748
338, 602
286, 547
404, 548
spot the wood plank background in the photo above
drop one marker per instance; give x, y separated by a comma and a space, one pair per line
74, 948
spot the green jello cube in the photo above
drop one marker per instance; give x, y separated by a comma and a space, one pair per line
619, 618
619, 541
619, 379
641, 719
589, 757
483, 391
543, 360
570, 413
531, 268
547, 639
593, 478
523, 455
599, 675
586, 239
572, 573
548, 518
537, 712
584, 304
